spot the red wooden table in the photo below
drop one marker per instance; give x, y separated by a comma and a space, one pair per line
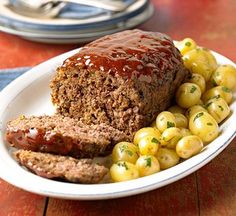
209, 191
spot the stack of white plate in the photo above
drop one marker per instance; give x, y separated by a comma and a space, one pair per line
64, 30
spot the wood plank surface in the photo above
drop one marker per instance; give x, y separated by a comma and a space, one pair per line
179, 198
16, 202
217, 184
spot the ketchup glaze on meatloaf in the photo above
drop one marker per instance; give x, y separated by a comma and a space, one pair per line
130, 53
123, 80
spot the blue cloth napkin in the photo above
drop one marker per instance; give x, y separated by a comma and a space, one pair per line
75, 11
8, 75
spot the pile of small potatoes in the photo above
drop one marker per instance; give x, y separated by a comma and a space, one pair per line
202, 102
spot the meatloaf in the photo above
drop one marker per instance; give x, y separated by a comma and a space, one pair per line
61, 167
123, 80
62, 135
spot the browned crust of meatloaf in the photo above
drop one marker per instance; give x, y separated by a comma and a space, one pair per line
67, 168
124, 102
62, 135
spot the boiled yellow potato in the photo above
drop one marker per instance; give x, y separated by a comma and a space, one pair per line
170, 137
181, 120
167, 158
200, 61
125, 151
147, 165
225, 75
219, 91
194, 109
199, 80
123, 171
144, 132
165, 120
218, 108
204, 125
189, 146
185, 132
187, 95
176, 109
148, 145
186, 45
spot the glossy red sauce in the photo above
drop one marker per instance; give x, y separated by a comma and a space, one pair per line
39, 140
129, 53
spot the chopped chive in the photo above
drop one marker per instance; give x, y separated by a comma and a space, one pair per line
188, 44
148, 161
193, 89
123, 147
129, 152
198, 116
209, 123
123, 164
216, 97
225, 89
161, 119
221, 108
209, 104
213, 82
155, 140
170, 124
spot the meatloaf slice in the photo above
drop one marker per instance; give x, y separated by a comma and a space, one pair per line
62, 135
123, 80
67, 168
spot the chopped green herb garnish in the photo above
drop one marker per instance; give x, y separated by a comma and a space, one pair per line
170, 124
221, 108
198, 116
129, 152
213, 82
123, 164
155, 140
225, 89
216, 97
123, 147
193, 89
188, 44
207, 105
148, 161
209, 123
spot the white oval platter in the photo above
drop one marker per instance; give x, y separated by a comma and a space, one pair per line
30, 94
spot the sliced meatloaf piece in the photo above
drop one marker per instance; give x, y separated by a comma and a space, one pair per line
123, 80
61, 167
62, 135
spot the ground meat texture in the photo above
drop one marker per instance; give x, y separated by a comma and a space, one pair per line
62, 135
61, 167
123, 80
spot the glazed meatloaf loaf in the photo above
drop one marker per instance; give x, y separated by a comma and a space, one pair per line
62, 135
123, 80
